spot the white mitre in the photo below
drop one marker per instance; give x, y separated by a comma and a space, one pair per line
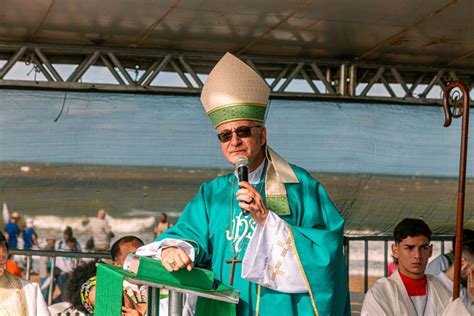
233, 92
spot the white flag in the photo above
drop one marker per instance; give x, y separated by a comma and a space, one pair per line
5, 213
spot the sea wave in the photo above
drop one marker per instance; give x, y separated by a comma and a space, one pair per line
155, 214
81, 223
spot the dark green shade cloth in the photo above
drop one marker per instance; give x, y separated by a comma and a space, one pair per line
108, 295
206, 306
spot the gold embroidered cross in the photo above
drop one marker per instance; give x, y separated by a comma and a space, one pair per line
285, 246
276, 271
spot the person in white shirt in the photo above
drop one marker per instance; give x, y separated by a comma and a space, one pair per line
101, 231
66, 265
467, 270
442, 262
18, 296
409, 291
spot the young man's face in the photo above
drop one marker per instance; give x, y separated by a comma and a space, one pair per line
413, 254
126, 248
50, 243
467, 267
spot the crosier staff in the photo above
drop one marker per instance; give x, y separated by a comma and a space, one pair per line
459, 111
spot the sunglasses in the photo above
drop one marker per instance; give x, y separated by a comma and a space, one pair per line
242, 132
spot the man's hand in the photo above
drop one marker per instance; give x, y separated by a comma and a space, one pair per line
127, 311
251, 201
174, 259
129, 308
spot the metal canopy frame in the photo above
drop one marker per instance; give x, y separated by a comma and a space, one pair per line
136, 70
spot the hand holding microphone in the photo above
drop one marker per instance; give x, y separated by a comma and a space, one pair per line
242, 166
250, 199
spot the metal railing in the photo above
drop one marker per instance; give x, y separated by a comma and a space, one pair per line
175, 294
176, 297
53, 254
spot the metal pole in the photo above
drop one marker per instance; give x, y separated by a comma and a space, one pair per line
462, 169
51, 281
366, 266
352, 80
346, 253
48, 65
153, 306
442, 247
385, 258
176, 304
343, 79
12, 61
28, 267
158, 69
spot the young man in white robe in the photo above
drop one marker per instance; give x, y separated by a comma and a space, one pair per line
409, 291
467, 270
442, 262
18, 296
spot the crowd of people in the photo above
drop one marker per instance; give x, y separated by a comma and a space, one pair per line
101, 236
22, 297
273, 234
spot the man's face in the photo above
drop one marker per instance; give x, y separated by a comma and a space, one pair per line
126, 248
251, 147
467, 267
3, 259
50, 243
413, 254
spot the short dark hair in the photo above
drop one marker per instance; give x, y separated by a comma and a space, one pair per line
68, 232
468, 246
3, 241
115, 250
411, 227
73, 240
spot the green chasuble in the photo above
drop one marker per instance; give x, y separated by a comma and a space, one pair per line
214, 224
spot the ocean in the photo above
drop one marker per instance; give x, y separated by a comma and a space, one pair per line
64, 155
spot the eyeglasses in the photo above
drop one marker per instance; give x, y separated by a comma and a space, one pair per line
242, 132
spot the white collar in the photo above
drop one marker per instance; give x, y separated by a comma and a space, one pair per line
254, 176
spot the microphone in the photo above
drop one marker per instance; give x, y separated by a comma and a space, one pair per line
242, 166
